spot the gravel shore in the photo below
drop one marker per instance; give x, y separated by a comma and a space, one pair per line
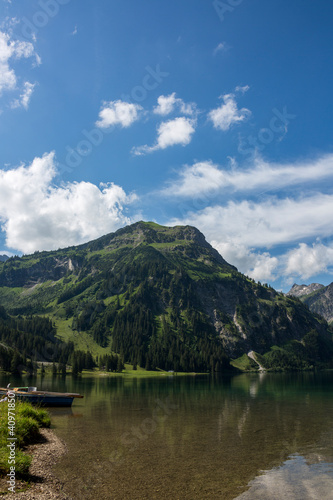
44, 484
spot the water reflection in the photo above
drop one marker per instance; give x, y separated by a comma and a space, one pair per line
296, 479
196, 437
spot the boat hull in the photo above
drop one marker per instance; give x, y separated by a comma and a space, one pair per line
42, 398
45, 400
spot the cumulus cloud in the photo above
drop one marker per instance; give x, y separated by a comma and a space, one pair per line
11, 50
207, 178
306, 261
167, 104
245, 232
119, 113
228, 113
36, 215
170, 133
258, 265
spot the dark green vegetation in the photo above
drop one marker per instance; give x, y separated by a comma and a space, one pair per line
28, 421
157, 297
314, 350
24, 338
317, 297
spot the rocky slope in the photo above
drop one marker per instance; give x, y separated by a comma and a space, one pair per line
303, 290
319, 298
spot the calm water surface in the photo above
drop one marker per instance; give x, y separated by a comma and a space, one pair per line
246, 437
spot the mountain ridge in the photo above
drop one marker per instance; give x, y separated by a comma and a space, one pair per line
161, 297
318, 298
303, 290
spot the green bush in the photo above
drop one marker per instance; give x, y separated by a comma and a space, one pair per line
28, 421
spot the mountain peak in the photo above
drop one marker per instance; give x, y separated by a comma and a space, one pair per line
163, 238
161, 296
302, 290
158, 232
319, 298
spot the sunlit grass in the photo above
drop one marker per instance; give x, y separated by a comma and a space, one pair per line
28, 421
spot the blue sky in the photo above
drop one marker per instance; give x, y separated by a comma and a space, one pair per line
210, 113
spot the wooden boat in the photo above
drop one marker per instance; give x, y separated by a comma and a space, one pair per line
43, 398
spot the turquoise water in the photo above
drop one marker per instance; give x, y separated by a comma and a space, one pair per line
250, 436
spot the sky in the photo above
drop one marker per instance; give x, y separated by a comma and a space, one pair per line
212, 113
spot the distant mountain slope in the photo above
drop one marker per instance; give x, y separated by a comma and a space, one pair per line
303, 290
162, 297
3, 258
319, 298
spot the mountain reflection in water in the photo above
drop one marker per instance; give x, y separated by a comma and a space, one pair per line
198, 437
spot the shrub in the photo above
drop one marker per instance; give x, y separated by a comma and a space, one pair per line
28, 420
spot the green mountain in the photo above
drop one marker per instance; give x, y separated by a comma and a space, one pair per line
162, 297
318, 298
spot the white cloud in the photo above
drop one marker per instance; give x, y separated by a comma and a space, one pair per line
221, 47
259, 266
8, 23
5, 252
208, 178
228, 113
11, 50
177, 131
244, 231
170, 133
37, 215
118, 113
200, 178
306, 261
268, 223
24, 99
242, 89
7, 75
167, 104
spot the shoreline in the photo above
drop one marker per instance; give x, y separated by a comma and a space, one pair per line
41, 482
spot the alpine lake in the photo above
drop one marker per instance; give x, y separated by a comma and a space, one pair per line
247, 437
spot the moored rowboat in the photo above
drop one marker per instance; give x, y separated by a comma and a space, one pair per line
43, 398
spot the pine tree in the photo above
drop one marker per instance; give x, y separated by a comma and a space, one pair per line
75, 365
120, 364
16, 360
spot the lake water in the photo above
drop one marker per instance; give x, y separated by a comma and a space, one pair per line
245, 437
